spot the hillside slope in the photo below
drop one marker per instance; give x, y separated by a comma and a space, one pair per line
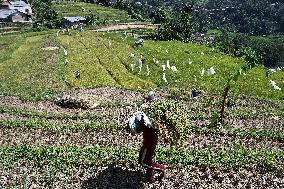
104, 59
189, 59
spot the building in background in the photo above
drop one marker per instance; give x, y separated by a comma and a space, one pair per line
15, 11
73, 21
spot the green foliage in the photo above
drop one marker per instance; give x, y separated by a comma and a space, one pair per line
35, 114
101, 61
45, 13
178, 26
35, 123
256, 83
171, 120
268, 50
250, 17
159, 15
251, 62
97, 12
60, 157
8, 44
30, 72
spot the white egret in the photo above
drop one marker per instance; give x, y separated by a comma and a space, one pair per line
275, 87
174, 69
168, 64
189, 61
132, 67
148, 70
140, 65
66, 62
164, 77
211, 71
202, 72
65, 52
164, 67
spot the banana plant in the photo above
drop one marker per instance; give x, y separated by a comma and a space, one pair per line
252, 60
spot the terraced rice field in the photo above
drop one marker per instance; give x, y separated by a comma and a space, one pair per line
45, 145
110, 56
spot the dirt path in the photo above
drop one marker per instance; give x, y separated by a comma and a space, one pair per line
267, 123
127, 26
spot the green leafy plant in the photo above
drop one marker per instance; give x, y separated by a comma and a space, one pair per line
252, 61
171, 120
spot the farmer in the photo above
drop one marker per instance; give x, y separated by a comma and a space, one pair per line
139, 122
150, 98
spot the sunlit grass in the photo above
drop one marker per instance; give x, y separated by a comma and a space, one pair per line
31, 72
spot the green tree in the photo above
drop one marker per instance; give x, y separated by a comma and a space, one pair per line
44, 12
179, 26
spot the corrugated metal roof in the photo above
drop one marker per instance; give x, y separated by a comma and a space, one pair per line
21, 6
19, 3
74, 18
4, 13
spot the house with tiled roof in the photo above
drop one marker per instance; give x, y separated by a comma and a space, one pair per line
15, 11
21, 6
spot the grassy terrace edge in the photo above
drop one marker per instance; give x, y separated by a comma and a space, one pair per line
236, 156
39, 124
234, 113
28, 113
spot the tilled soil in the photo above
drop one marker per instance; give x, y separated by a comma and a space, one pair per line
8, 116
268, 123
52, 108
42, 137
23, 174
126, 96
126, 26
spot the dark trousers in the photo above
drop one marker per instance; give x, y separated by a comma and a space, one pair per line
145, 159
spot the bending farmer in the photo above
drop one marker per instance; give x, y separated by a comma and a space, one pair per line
139, 122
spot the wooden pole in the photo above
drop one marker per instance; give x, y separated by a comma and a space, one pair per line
226, 91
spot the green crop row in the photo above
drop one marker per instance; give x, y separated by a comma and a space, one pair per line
243, 133
37, 123
235, 156
97, 62
46, 115
253, 84
250, 114
112, 125
8, 44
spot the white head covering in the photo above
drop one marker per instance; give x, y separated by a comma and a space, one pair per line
138, 117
